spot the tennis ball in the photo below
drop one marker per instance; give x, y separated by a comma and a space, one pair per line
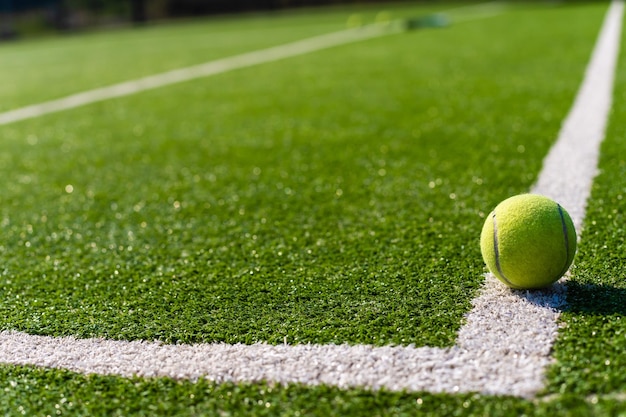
528, 241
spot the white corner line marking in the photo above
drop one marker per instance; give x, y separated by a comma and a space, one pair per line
503, 348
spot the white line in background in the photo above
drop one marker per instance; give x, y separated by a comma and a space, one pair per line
502, 349
223, 65
219, 66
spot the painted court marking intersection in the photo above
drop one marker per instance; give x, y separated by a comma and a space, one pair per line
502, 349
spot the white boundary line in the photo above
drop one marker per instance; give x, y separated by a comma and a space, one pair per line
502, 349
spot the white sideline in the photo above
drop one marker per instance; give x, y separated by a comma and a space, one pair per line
503, 348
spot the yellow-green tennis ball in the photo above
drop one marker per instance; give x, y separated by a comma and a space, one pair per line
528, 241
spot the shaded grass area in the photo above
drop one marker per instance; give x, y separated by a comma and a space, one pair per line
333, 198
590, 349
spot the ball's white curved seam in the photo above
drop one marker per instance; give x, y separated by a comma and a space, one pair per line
503, 348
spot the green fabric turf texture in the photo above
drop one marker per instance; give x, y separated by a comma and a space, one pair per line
44, 392
67, 267
326, 207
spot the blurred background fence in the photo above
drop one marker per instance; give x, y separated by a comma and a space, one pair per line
19, 18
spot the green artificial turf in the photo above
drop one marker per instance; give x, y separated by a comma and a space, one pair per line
334, 197
326, 203
37, 392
